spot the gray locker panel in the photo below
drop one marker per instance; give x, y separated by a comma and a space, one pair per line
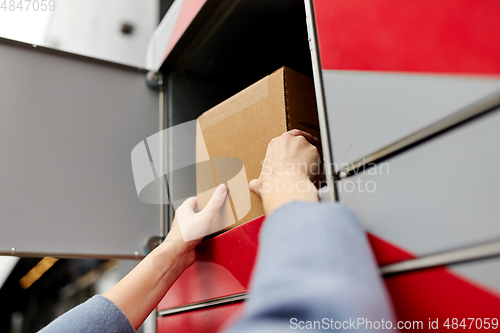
485, 272
436, 197
367, 110
67, 128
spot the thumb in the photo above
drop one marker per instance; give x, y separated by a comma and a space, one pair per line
255, 186
216, 202
189, 204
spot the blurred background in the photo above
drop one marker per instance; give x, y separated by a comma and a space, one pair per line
34, 291
114, 30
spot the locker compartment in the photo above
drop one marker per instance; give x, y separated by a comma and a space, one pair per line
365, 112
384, 79
224, 265
248, 41
251, 40
437, 197
370, 110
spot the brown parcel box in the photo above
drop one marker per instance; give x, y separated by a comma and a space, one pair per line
241, 127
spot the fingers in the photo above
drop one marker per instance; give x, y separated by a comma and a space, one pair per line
310, 138
255, 186
190, 203
186, 210
216, 202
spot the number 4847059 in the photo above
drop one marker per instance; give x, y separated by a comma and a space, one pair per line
28, 5
471, 323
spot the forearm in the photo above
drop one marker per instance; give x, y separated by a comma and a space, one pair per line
142, 289
96, 315
138, 293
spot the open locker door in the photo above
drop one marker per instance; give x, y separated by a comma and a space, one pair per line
409, 96
68, 125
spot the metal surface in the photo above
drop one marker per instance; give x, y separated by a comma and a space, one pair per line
331, 193
436, 197
161, 122
459, 256
387, 95
453, 257
200, 305
162, 161
441, 293
68, 126
156, 81
368, 111
62, 255
169, 122
468, 113
485, 272
207, 320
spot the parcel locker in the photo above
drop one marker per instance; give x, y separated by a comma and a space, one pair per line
227, 46
436, 197
427, 93
417, 109
411, 103
417, 101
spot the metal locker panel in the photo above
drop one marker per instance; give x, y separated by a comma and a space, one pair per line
377, 70
485, 272
206, 320
68, 125
370, 110
439, 196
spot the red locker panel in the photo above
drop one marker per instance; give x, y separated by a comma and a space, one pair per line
387, 253
392, 68
440, 294
223, 267
454, 36
426, 295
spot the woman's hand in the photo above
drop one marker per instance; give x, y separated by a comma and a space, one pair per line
291, 162
189, 227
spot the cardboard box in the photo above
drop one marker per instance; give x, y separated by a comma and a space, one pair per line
239, 129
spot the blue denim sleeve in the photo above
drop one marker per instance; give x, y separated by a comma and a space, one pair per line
96, 315
314, 267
